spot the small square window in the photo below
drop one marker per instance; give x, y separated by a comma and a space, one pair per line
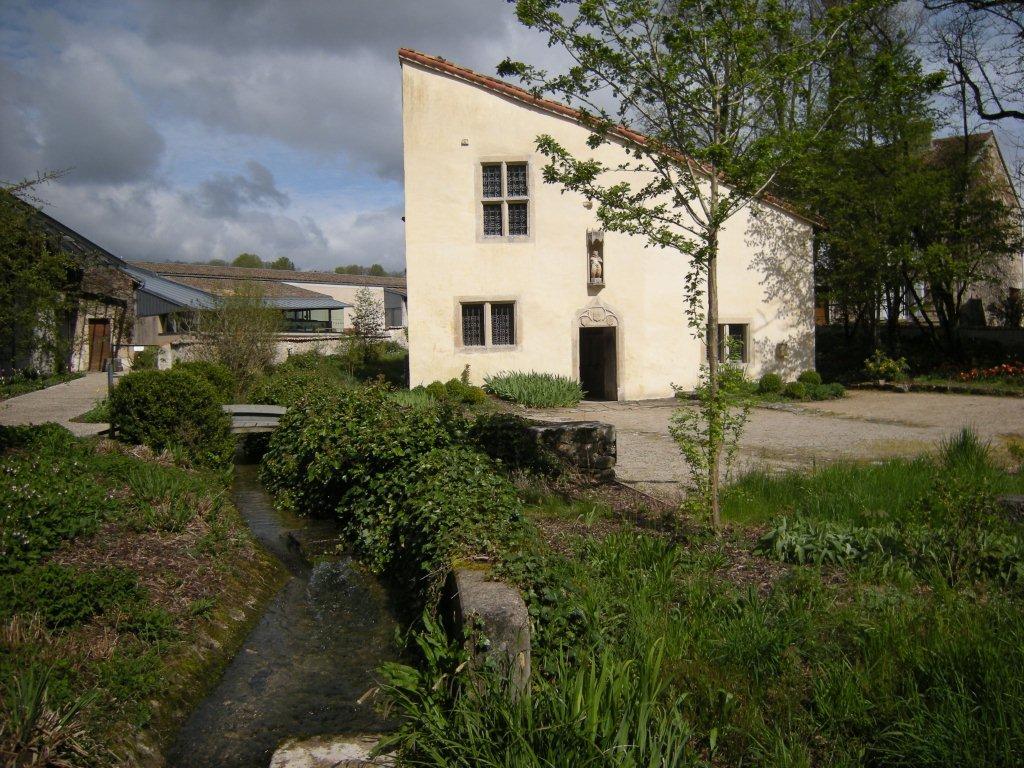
517, 219
503, 324
515, 178
732, 342
492, 219
473, 325
492, 180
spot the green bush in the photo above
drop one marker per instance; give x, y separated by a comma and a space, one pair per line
63, 597
770, 384
456, 391
795, 390
409, 498
505, 438
288, 387
146, 359
448, 503
810, 378
218, 376
388, 359
347, 438
882, 367
831, 391
45, 496
172, 410
535, 390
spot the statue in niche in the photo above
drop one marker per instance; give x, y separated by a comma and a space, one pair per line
595, 256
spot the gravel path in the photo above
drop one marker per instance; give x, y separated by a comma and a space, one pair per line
59, 403
863, 425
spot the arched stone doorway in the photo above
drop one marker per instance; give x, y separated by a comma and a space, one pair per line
597, 351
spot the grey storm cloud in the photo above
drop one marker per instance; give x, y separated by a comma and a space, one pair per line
76, 112
126, 92
224, 196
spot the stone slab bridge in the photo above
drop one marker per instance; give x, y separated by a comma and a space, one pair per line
252, 419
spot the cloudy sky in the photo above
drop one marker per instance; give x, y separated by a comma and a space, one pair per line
198, 130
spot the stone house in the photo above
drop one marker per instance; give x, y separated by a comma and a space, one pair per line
508, 273
99, 314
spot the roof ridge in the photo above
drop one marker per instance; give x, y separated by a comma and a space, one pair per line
227, 272
563, 110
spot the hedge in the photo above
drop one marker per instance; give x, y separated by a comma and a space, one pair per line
177, 410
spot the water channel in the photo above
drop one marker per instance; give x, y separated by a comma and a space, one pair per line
309, 660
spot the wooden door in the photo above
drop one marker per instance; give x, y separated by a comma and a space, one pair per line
99, 344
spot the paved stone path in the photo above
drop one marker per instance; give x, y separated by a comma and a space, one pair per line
864, 425
59, 403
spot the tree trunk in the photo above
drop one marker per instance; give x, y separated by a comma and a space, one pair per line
713, 415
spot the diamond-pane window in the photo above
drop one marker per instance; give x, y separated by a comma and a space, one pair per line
515, 180
492, 219
517, 223
492, 180
473, 325
503, 324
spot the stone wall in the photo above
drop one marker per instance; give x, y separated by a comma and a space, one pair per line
587, 446
493, 617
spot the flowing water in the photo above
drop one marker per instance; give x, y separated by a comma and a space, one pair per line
304, 667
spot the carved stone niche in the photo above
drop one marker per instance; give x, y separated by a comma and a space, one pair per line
595, 257
597, 316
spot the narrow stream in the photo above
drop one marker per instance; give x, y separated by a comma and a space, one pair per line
311, 656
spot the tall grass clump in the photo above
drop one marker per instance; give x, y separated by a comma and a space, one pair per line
606, 711
535, 390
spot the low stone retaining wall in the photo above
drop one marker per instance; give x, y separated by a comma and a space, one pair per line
587, 446
494, 613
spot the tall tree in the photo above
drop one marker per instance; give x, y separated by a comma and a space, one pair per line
691, 89
982, 42
248, 260
240, 333
968, 238
282, 262
866, 174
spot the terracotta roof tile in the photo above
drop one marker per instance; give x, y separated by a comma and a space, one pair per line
520, 94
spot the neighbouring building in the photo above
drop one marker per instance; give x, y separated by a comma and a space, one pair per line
508, 273
389, 292
317, 306
985, 302
96, 324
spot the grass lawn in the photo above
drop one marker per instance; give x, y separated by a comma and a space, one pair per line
98, 414
860, 615
19, 384
995, 386
121, 580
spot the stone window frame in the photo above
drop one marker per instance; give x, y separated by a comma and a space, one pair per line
724, 324
488, 346
723, 331
531, 186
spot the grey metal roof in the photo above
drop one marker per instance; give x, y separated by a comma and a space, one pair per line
158, 295
292, 302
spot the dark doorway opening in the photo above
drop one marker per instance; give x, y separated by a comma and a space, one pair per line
99, 344
598, 374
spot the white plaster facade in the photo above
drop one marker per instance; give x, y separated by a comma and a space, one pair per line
452, 125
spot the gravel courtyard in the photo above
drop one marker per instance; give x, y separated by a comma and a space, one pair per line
863, 425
